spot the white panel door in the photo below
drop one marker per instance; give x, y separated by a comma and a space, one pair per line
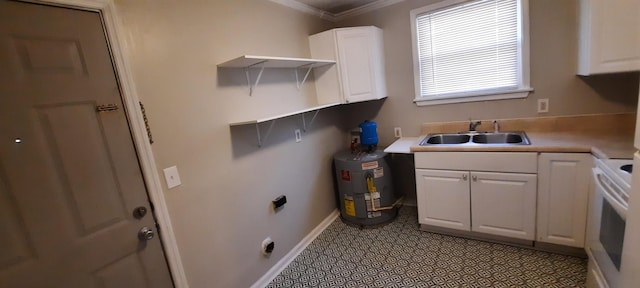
504, 204
443, 198
355, 56
563, 190
70, 182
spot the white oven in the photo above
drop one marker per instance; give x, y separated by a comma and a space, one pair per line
608, 219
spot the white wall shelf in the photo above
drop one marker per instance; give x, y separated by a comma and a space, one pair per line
246, 61
260, 62
272, 119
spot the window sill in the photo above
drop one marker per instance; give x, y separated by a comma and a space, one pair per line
512, 94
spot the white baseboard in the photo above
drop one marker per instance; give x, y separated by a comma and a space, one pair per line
287, 259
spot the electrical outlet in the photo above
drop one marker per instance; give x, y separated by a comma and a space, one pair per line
298, 135
354, 136
397, 131
267, 246
543, 105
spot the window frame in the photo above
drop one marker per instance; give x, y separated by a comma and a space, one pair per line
523, 89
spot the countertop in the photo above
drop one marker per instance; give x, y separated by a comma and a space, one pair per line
603, 135
601, 146
403, 145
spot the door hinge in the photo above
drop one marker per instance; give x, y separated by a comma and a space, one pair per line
146, 123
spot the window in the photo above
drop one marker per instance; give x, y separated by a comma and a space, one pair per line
470, 51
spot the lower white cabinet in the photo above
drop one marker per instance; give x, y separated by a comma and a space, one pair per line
563, 180
521, 195
443, 198
502, 204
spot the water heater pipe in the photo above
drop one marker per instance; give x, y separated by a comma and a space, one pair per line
372, 189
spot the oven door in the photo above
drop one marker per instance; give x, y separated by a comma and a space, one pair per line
609, 218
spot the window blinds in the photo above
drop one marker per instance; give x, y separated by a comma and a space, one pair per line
472, 47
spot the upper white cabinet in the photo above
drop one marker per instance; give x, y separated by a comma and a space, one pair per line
563, 190
359, 74
609, 39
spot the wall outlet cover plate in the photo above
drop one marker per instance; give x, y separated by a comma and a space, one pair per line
172, 177
543, 105
298, 135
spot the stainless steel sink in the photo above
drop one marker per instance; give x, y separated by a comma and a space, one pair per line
447, 139
502, 138
477, 138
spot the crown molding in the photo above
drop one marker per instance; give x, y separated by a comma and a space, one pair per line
337, 16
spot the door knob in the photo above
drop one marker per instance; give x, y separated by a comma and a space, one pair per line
464, 177
474, 178
146, 234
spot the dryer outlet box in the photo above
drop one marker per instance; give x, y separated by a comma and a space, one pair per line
279, 202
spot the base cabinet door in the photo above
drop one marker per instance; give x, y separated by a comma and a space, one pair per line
443, 198
504, 204
564, 181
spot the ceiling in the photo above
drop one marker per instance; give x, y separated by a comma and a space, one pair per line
336, 6
335, 10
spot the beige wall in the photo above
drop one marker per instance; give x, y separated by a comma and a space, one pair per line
553, 36
222, 211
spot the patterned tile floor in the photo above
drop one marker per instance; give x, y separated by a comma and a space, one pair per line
400, 255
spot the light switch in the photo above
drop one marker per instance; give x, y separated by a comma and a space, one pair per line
172, 176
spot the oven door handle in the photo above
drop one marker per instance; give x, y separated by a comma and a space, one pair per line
608, 194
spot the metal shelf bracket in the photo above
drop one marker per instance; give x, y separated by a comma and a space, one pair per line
247, 73
304, 123
266, 136
298, 83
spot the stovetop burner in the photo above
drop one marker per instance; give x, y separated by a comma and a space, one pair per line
627, 168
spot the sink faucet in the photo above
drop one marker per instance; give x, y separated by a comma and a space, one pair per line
473, 125
496, 126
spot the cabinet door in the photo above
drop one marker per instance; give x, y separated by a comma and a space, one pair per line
609, 38
357, 56
504, 204
443, 198
563, 197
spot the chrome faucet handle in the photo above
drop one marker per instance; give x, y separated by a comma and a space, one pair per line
473, 125
496, 126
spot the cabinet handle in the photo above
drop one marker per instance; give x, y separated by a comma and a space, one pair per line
464, 177
474, 178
